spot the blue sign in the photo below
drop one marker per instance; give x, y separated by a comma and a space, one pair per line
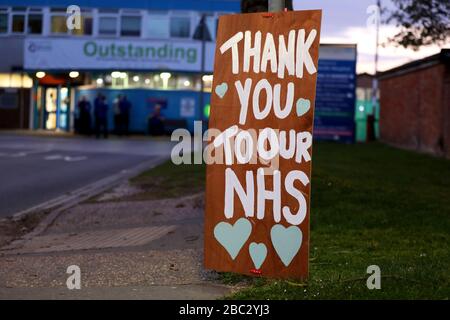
334, 116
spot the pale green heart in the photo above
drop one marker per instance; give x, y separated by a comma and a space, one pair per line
258, 253
303, 106
233, 237
221, 89
286, 241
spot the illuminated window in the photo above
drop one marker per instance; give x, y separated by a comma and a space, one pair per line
5, 80
15, 80
148, 80
58, 24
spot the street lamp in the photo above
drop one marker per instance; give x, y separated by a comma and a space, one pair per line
40, 74
74, 74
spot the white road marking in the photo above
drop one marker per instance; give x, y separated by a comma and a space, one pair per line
65, 158
73, 159
22, 153
49, 157
54, 157
18, 155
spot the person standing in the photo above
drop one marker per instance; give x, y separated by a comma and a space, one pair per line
156, 122
101, 116
84, 116
117, 115
125, 107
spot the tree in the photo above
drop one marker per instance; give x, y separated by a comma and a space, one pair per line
421, 22
248, 6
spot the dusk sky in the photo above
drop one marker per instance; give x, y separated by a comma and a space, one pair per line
345, 21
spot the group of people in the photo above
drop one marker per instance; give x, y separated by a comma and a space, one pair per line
84, 121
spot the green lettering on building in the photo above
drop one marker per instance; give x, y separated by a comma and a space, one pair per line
167, 51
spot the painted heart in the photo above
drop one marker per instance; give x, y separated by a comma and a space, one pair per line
233, 237
258, 253
286, 241
221, 89
303, 106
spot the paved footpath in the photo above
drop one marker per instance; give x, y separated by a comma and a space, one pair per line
125, 250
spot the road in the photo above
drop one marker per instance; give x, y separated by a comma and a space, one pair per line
37, 169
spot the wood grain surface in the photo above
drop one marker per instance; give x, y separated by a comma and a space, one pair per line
225, 113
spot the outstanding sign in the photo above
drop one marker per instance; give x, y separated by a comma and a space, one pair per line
93, 54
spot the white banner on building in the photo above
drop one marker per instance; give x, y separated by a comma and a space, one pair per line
114, 54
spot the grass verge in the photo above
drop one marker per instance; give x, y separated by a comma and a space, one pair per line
168, 180
371, 205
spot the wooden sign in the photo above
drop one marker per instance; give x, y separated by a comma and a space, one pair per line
260, 132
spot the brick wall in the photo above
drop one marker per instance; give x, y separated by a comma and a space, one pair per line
446, 113
413, 113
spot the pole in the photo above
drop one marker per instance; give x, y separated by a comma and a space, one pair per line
371, 117
276, 5
375, 79
21, 102
202, 70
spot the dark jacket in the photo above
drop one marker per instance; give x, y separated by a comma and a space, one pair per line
100, 109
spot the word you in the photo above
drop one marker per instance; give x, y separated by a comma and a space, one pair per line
272, 95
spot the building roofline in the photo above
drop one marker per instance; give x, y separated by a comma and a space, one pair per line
341, 45
226, 6
365, 74
441, 57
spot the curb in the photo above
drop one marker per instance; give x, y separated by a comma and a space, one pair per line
57, 205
